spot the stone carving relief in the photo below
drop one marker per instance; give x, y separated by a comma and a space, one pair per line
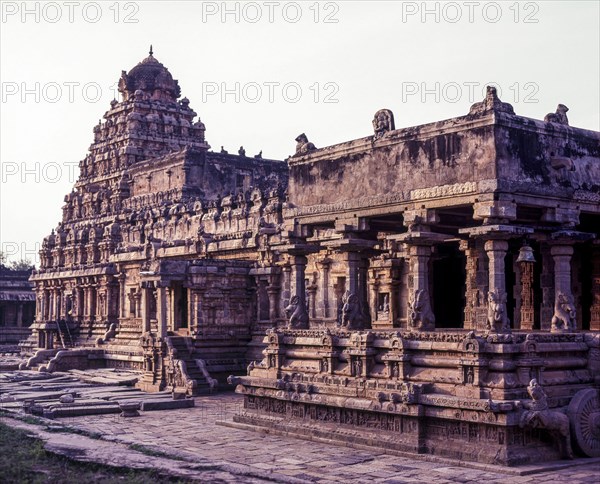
540, 416
303, 146
351, 312
497, 319
565, 314
420, 315
296, 313
559, 117
383, 122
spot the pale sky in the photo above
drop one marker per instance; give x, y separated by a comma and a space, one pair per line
260, 73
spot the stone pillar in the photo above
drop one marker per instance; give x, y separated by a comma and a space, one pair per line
273, 292
20, 315
299, 265
421, 315
562, 284
595, 308
324, 265
496, 251
527, 310
286, 290
471, 287
145, 308
547, 284
122, 296
170, 312
161, 309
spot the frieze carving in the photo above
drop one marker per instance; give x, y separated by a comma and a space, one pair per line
443, 191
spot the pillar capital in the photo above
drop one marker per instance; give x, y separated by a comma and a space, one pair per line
496, 245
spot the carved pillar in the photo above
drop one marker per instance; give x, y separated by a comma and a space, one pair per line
527, 309
496, 251
547, 284
561, 254
122, 295
273, 292
286, 289
145, 308
170, 312
161, 309
471, 287
421, 316
299, 265
595, 308
324, 265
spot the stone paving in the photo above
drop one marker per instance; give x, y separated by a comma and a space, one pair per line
215, 452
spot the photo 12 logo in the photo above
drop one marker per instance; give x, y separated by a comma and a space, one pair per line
70, 12
470, 12
270, 12
270, 92
467, 91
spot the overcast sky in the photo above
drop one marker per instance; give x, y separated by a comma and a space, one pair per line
260, 73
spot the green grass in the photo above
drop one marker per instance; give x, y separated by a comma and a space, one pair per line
23, 459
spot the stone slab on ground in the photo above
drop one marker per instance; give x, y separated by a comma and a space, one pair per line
149, 405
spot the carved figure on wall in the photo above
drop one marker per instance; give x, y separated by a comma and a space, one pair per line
383, 122
559, 117
303, 146
420, 315
539, 416
351, 313
296, 313
565, 314
497, 319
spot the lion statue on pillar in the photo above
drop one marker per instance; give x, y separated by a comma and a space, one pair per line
497, 319
296, 312
565, 314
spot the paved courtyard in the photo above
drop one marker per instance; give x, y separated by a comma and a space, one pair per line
190, 443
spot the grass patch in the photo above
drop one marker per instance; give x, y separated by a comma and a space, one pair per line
23, 459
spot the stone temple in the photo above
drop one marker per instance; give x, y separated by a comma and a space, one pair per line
432, 289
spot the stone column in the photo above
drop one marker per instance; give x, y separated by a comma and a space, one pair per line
421, 315
527, 310
496, 251
286, 288
273, 292
299, 266
324, 265
145, 308
471, 287
562, 284
595, 308
170, 295
20, 315
122, 296
547, 284
161, 309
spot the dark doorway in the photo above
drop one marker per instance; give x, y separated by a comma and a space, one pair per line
449, 287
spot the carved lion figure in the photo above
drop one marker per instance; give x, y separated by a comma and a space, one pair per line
565, 314
351, 313
559, 117
296, 312
420, 315
540, 416
497, 319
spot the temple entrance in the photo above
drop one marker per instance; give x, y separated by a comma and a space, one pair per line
179, 304
449, 280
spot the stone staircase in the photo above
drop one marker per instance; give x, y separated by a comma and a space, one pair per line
194, 366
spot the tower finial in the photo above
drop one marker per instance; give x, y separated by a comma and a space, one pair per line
151, 49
